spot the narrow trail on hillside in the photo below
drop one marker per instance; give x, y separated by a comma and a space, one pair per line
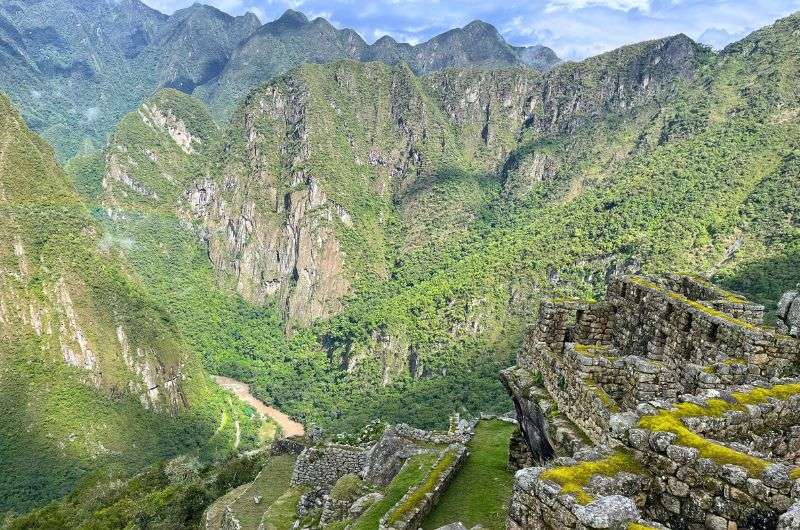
288, 426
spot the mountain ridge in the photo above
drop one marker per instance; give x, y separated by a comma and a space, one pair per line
75, 68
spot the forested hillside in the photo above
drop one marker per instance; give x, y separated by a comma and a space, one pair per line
379, 240
75, 67
93, 372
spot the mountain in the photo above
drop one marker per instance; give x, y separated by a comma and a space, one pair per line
293, 39
79, 66
92, 372
76, 67
477, 44
196, 43
360, 241
397, 230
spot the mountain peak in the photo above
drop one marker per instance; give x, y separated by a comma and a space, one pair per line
292, 17
480, 25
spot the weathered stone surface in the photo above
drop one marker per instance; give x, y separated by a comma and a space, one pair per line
673, 349
362, 503
607, 512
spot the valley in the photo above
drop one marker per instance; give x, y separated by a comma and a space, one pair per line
288, 427
357, 240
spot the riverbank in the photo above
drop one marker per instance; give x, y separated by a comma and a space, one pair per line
288, 426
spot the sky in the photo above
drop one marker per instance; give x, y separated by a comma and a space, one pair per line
575, 29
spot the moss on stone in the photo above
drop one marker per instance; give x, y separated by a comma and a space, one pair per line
671, 421
713, 312
593, 350
734, 361
607, 400
348, 487
573, 479
722, 293
640, 526
415, 497
637, 280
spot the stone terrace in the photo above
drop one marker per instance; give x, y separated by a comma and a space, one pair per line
668, 405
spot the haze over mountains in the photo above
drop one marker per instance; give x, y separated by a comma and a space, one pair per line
77, 66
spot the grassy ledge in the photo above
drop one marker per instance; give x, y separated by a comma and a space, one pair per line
423, 489
480, 492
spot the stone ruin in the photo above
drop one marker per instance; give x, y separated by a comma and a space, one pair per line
668, 405
361, 467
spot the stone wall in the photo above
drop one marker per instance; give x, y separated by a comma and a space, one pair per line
682, 378
538, 505
668, 327
543, 427
789, 314
322, 466
688, 488
420, 498
699, 289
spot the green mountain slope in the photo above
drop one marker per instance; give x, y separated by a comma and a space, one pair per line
292, 39
75, 67
401, 229
92, 372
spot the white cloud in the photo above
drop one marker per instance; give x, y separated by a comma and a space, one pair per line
620, 5
573, 28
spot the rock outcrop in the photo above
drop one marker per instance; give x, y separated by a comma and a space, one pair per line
789, 313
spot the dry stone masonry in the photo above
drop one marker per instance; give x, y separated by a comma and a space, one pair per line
373, 464
668, 405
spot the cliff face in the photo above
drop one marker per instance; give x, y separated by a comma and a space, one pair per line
326, 177
289, 220
325, 173
269, 222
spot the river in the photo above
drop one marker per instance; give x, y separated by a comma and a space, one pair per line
288, 426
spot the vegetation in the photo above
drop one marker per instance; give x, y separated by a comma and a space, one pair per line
481, 490
671, 421
269, 486
78, 330
573, 479
417, 494
348, 488
460, 221
666, 186
416, 469
165, 496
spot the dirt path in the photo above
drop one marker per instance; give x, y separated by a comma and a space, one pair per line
242, 390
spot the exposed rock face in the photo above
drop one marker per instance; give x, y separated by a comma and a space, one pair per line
281, 216
72, 311
621, 83
275, 232
789, 314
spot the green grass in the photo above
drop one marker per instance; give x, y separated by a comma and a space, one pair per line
480, 492
419, 492
413, 472
283, 512
270, 484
